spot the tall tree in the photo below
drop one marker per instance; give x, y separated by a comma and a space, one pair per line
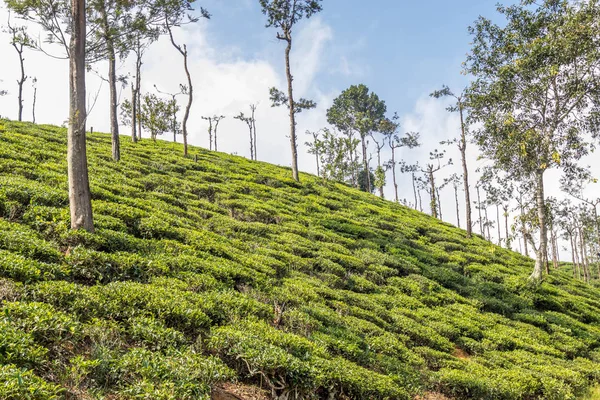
249, 121
212, 129
459, 105
430, 170
315, 147
33, 103
80, 198
20, 40
283, 16
176, 13
455, 181
174, 123
536, 91
389, 129
358, 110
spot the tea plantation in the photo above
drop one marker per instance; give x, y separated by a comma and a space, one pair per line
227, 270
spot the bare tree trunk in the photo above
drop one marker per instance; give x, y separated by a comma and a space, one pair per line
457, 208
394, 176
584, 261
498, 222
463, 154
22, 79
34, 101
186, 115
254, 130
537, 273
439, 202
80, 203
365, 163
415, 192
432, 192
138, 88
133, 113
216, 127
487, 224
114, 123
479, 210
505, 209
575, 270
210, 136
292, 108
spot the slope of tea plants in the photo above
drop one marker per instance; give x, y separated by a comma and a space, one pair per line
226, 270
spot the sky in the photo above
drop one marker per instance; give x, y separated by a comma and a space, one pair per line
402, 50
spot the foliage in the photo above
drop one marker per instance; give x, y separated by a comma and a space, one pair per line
226, 269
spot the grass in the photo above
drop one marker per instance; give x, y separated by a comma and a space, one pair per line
226, 270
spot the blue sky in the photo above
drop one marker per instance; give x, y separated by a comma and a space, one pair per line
400, 49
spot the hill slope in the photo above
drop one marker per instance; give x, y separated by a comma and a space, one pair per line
226, 269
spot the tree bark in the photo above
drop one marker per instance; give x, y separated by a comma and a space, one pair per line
254, 132
365, 163
457, 208
505, 209
186, 115
80, 203
433, 199
463, 154
133, 113
34, 101
479, 211
414, 191
216, 127
498, 222
537, 273
439, 202
138, 89
394, 176
292, 108
22, 80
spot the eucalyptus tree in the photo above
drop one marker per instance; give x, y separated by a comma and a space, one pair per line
430, 170
455, 181
212, 129
20, 40
536, 91
251, 123
394, 141
80, 197
315, 147
176, 13
283, 15
412, 169
358, 110
174, 124
33, 103
459, 104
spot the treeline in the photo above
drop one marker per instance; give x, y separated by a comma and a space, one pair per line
532, 106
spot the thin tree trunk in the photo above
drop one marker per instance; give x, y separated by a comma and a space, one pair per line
216, 127
433, 199
498, 222
34, 101
292, 108
463, 154
112, 83
138, 89
505, 209
457, 208
537, 273
573, 254
439, 202
365, 163
487, 224
80, 203
479, 211
394, 175
254, 131
22, 80
414, 191
186, 115
133, 113
210, 136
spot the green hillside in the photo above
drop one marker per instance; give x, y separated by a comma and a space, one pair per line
227, 270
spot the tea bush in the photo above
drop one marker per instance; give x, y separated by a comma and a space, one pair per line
226, 269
